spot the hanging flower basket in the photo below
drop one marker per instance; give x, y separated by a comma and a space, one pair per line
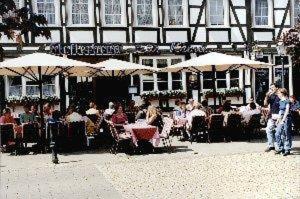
160, 95
20, 101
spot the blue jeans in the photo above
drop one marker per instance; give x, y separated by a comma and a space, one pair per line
271, 126
283, 136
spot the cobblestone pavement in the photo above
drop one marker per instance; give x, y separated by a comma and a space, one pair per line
218, 170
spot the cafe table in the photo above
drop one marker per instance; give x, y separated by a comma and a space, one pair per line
143, 131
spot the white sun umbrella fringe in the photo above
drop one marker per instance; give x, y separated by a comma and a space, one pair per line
118, 68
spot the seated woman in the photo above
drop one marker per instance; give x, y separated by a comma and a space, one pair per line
225, 110
154, 118
7, 118
119, 118
247, 114
73, 116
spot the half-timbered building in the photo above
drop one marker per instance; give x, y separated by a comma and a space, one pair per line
158, 33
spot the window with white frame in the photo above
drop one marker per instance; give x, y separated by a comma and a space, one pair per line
161, 81
296, 11
220, 79
17, 3
216, 12
144, 15
32, 87
148, 80
234, 78
15, 86
80, 12
278, 70
175, 12
46, 8
261, 17
113, 12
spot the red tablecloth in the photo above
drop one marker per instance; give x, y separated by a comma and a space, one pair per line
143, 132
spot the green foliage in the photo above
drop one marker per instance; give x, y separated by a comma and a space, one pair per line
155, 95
232, 92
16, 22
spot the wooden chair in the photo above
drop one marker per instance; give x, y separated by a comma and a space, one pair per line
216, 126
6, 134
30, 133
234, 126
199, 129
77, 135
165, 133
253, 126
117, 137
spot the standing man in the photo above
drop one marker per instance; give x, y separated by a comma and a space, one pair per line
272, 101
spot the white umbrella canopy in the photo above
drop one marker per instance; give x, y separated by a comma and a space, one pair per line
118, 68
28, 66
222, 62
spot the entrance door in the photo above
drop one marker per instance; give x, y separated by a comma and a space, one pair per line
111, 90
261, 84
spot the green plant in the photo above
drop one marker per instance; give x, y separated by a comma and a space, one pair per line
172, 94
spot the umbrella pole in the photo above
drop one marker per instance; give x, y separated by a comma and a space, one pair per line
214, 88
41, 99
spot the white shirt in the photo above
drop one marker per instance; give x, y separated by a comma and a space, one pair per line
109, 111
194, 113
247, 114
92, 111
74, 117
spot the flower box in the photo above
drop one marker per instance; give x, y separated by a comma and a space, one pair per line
163, 95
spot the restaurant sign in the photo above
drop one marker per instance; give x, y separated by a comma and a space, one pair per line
86, 49
182, 48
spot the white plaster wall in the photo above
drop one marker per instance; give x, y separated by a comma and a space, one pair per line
176, 36
195, 2
194, 15
236, 35
201, 34
238, 2
218, 36
4, 39
280, 3
241, 13
81, 37
114, 36
279, 14
146, 36
263, 36
55, 37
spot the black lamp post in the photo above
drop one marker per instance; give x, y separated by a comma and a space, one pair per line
281, 49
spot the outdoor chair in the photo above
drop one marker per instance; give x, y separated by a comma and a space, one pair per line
253, 126
233, 127
30, 133
118, 138
6, 133
55, 135
216, 127
199, 129
76, 135
165, 133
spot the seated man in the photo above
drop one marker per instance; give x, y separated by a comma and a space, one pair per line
110, 111
27, 116
195, 112
247, 114
73, 116
93, 109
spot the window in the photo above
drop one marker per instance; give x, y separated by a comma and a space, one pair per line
216, 12
176, 77
148, 80
144, 15
175, 12
234, 79
296, 11
220, 79
278, 60
46, 8
113, 12
80, 12
162, 78
15, 86
32, 88
17, 3
261, 12
161, 81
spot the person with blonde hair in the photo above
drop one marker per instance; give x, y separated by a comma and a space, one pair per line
154, 118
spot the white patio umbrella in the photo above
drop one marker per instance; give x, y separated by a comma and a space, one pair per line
34, 66
215, 62
118, 68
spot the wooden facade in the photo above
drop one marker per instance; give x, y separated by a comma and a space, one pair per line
196, 28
